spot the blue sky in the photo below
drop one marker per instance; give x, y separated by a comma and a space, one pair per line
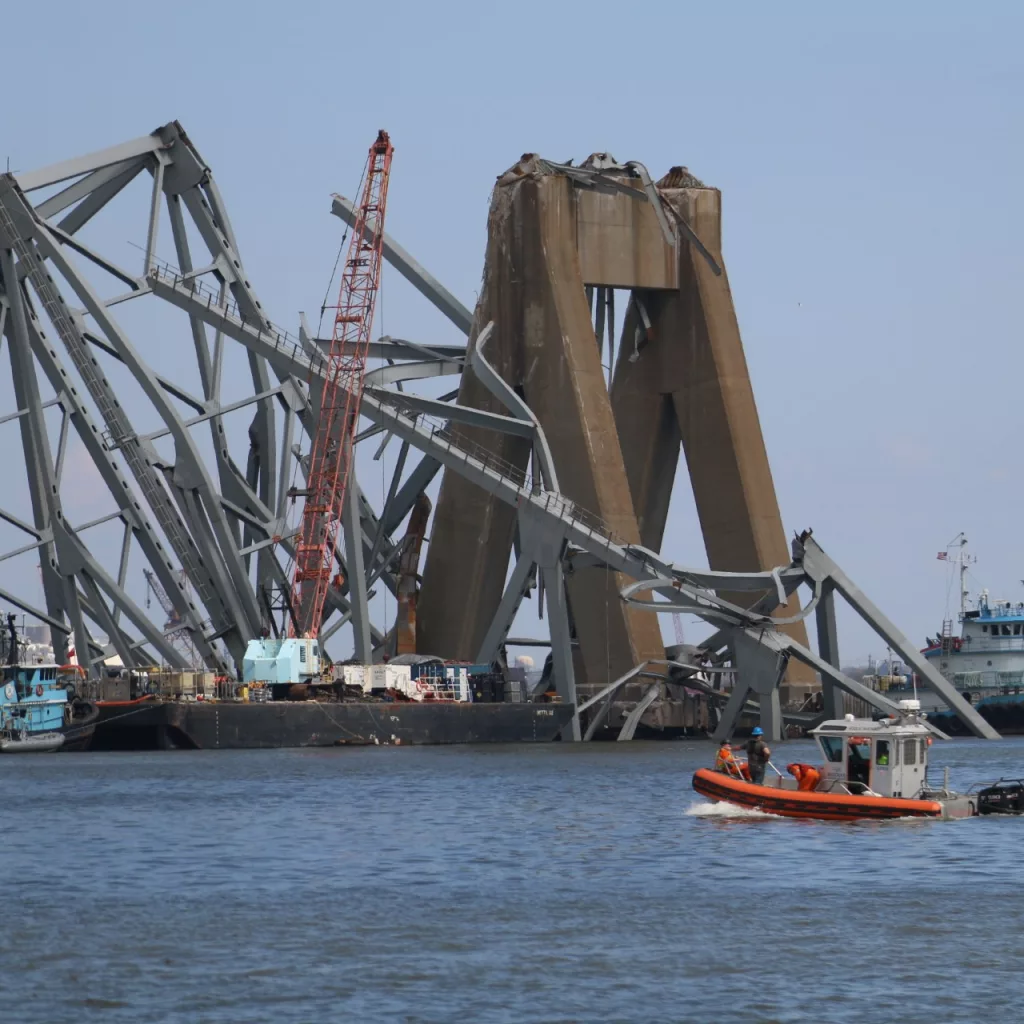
869, 160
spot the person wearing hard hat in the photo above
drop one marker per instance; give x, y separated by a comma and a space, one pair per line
758, 754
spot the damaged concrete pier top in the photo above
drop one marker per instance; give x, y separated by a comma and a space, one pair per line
561, 240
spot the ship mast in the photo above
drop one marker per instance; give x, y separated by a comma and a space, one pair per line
962, 560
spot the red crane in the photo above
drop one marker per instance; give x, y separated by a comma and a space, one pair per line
331, 459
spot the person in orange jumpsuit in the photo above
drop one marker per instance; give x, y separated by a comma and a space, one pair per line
725, 760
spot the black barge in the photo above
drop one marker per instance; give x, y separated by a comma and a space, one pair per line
153, 724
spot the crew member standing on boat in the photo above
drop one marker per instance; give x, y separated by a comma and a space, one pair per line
757, 755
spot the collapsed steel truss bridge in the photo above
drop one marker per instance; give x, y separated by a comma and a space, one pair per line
208, 515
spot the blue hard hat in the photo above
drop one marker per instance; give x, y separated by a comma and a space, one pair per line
757, 731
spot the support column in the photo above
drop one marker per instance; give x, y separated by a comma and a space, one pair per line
356, 574
544, 346
828, 648
564, 386
690, 368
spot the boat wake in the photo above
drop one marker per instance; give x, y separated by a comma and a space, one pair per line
725, 810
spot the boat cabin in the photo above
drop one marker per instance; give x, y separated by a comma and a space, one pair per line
32, 698
888, 757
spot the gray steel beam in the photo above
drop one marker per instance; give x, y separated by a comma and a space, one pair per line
42, 481
416, 483
84, 186
561, 644
496, 385
416, 275
97, 199
209, 216
628, 730
819, 565
97, 260
397, 349
519, 583
68, 557
783, 644
92, 573
422, 370
828, 648
217, 410
563, 518
55, 173
89, 434
464, 414
381, 536
174, 390
356, 576
731, 712
607, 694
236, 597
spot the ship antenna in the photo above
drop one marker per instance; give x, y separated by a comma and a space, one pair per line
963, 575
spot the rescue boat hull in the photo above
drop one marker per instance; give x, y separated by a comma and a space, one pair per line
789, 803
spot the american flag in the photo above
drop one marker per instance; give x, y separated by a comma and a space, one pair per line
942, 556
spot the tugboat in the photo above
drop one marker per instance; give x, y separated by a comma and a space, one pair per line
873, 768
39, 712
985, 662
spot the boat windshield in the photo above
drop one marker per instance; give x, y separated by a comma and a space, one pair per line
833, 747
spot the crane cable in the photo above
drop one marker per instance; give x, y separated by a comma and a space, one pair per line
341, 249
297, 466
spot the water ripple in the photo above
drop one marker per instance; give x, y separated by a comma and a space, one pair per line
489, 884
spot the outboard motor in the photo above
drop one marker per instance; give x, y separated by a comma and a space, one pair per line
1004, 797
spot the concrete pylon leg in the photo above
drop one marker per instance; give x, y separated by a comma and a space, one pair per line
565, 387
647, 424
693, 358
543, 343
467, 560
471, 537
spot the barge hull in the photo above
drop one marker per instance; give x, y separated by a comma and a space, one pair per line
153, 725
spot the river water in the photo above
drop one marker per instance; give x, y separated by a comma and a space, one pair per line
534, 883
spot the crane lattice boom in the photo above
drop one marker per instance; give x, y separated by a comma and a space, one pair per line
331, 457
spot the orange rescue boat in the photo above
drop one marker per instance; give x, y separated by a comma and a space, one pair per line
794, 803
872, 769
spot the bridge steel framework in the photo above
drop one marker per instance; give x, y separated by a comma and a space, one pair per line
549, 463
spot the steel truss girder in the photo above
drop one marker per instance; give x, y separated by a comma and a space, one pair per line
65, 558
204, 573
813, 567
559, 514
223, 534
217, 535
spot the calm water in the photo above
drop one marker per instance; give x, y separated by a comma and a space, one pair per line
551, 883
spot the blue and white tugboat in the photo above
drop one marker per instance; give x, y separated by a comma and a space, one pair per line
985, 662
38, 711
